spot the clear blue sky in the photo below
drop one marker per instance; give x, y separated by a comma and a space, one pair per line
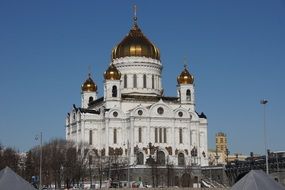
235, 49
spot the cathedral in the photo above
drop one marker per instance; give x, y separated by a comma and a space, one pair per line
134, 120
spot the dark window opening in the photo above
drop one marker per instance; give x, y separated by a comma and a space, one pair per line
115, 136
180, 136
181, 159
144, 81
90, 137
160, 135
125, 81
164, 135
91, 99
140, 158
155, 135
140, 134
135, 81
114, 91
188, 95
160, 158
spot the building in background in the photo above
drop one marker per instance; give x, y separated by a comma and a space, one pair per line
221, 142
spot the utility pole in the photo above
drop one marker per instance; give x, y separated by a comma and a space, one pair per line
264, 102
128, 147
41, 157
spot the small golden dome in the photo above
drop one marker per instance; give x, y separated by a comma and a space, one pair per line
135, 44
112, 73
89, 85
185, 77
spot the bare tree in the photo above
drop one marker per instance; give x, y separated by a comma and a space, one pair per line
1, 157
10, 158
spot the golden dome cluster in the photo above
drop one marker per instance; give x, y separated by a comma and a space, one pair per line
112, 73
185, 77
89, 85
135, 44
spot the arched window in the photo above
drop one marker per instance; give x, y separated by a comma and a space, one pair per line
114, 91
152, 81
188, 95
140, 134
140, 158
181, 160
164, 135
135, 81
115, 136
90, 137
144, 81
180, 136
155, 135
125, 81
160, 135
160, 158
90, 99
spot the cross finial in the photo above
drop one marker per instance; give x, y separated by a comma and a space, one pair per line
135, 15
185, 62
89, 70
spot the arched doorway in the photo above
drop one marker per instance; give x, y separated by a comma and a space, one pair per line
160, 158
140, 158
186, 180
181, 159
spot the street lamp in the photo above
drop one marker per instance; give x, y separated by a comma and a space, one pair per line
41, 157
129, 154
264, 102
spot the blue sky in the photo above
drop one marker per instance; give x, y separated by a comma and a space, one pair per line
235, 50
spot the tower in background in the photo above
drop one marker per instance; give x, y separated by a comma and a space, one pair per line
221, 142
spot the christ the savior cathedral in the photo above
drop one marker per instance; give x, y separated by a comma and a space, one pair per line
134, 119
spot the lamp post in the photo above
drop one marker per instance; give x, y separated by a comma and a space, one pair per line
264, 102
41, 157
128, 147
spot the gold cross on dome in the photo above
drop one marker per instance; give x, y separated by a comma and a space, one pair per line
135, 14
185, 61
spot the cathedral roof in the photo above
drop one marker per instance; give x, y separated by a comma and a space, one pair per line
135, 44
89, 85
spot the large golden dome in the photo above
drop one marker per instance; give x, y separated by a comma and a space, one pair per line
112, 73
185, 77
89, 85
135, 44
